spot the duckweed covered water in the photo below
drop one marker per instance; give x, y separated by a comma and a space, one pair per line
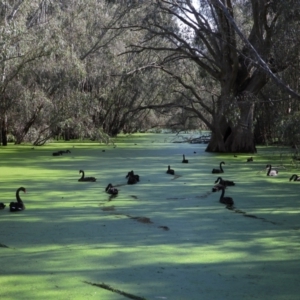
166, 237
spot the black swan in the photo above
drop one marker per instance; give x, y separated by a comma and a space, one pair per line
111, 190
170, 171
219, 170
224, 182
184, 161
57, 153
271, 172
295, 177
131, 174
250, 159
2, 205
136, 176
91, 179
226, 200
132, 178
19, 205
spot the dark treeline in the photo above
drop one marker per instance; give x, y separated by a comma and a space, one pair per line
93, 69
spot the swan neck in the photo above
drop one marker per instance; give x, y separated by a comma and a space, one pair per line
18, 195
223, 192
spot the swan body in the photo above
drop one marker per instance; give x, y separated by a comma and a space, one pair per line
224, 182
137, 177
2, 205
82, 178
225, 200
214, 171
295, 177
61, 152
170, 171
184, 161
111, 190
19, 205
57, 153
271, 172
132, 178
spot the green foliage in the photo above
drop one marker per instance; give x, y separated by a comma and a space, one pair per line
92, 69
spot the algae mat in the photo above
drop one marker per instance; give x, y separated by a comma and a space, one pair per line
167, 237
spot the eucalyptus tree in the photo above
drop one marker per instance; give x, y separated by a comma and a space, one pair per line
61, 72
233, 43
12, 57
21, 45
44, 78
116, 97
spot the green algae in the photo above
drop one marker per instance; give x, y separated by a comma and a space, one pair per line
68, 234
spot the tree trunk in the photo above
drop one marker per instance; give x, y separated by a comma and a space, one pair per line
237, 138
218, 136
4, 132
241, 138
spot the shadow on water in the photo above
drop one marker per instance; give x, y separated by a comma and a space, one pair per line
243, 213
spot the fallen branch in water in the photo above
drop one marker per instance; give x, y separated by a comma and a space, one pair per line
107, 287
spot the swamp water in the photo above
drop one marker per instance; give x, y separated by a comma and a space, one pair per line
166, 237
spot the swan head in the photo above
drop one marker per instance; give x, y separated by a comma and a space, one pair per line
219, 178
108, 186
130, 174
22, 189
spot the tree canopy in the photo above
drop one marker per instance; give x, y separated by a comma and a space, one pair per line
91, 69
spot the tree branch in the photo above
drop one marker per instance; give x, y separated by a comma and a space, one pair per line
264, 66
